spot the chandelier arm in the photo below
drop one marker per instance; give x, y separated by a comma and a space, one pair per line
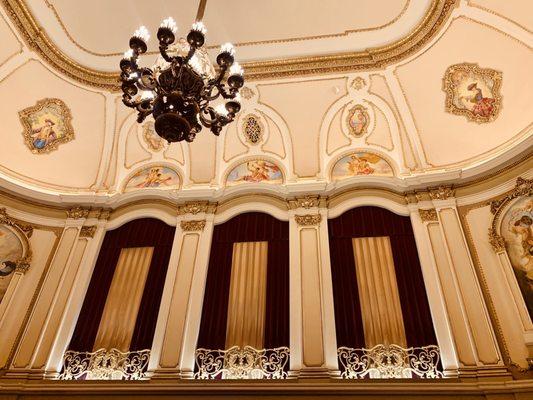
201, 10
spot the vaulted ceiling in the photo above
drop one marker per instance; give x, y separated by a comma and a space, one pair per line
308, 66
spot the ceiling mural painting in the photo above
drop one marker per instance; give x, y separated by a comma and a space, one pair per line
360, 163
255, 171
358, 120
153, 177
47, 124
473, 92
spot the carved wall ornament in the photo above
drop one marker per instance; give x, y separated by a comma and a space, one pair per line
253, 129
88, 231
441, 193
307, 202
15, 249
190, 226
358, 83
103, 213
47, 124
151, 138
153, 176
428, 215
358, 120
308, 220
78, 212
473, 92
195, 207
496, 241
524, 187
247, 93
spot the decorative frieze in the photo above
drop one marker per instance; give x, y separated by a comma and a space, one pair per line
308, 220
441, 193
78, 212
196, 207
428, 215
88, 231
306, 202
191, 226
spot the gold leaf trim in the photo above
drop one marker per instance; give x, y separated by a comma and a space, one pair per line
190, 226
308, 220
428, 215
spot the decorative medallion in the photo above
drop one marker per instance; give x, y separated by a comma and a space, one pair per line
360, 163
154, 176
473, 92
247, 93
253, 129
308, 220
357, 120
46, 125
191, 226
152, 139
358, 83
255, 171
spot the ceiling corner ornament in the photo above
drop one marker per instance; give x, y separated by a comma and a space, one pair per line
496, 241
77, 213
253, 129
47, 124
358, 83
441, 193
428, 215
196, 207
473, 92
380, 57
192, 226
87, 231
15, 249
358, 120
308, 220
306, 202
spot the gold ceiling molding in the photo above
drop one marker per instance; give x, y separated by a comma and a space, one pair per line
191, 226
378, 57
308, 220
428, 215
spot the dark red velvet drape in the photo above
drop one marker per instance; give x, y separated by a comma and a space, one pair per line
367, 222
139, 233
249, 227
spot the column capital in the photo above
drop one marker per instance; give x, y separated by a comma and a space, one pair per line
308, 219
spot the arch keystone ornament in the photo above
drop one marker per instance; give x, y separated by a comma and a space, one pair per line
473, 92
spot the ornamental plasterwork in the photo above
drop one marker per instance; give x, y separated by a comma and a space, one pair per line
306, 202
191, 226
78, 212
496, 241
15, 249
441, 193
253, 129
151, 138
195, 207
473, 92
428, 215
308, 220
357, 120
247, 93
47, 124
88, 231
358, 83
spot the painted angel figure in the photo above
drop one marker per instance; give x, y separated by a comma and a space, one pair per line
359, 166
259, 171
154, 178
483, 106
44, 135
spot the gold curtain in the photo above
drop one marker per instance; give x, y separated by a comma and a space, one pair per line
378, 292
124, 298
247, 295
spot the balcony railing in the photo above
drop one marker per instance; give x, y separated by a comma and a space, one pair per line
389, 361
242, 363
105, 365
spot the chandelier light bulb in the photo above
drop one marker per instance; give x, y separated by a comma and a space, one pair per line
220, 109
147, 95
199, 27
169, 23
227, 48
236, 69
128, 54
237, 98
142, 33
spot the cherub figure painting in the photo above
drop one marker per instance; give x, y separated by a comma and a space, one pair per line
255, 171
153, 177
360, 163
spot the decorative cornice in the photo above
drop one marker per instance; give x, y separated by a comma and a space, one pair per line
524, 187
306, 202
496, 241
308, 220
196, 207
88, 231
190, 226
374, 58
428, 215
103, 213
77, 212
441, 193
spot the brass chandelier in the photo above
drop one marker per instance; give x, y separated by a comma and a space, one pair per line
181, 88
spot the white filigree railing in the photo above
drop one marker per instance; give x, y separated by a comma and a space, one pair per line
389, 361
245, 363
105, 365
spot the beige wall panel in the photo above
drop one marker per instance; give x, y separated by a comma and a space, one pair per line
233, 145
174, 151
172, 343
40, 313
74, 164
10, 44
302, 105
274, 144
203, 157
42, 244
336, 138
381, 134
469, 288
134, 151
507, 304
449, 138
51, 328
518, 11
313, 348
453, 305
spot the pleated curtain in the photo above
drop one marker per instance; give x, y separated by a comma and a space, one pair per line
124, 299
247, 295
378, 292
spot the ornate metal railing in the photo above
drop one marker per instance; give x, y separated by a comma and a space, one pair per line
105, 364
389, 361
245, 363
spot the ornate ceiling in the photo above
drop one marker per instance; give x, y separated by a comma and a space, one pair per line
395, 94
